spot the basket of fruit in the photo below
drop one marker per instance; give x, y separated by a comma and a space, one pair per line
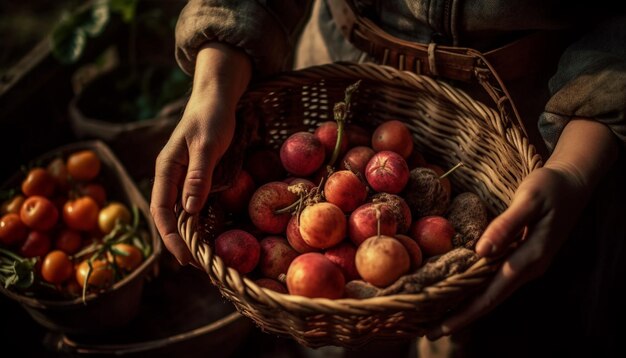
362, 193
77, 240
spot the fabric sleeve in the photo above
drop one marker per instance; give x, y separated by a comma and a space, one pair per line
590, 82
265, 29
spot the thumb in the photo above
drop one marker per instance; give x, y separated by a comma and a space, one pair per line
198, 179
503, 230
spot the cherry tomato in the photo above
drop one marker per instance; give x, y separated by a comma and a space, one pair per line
39, 213
38, 182
111, 214
57, 267
12, 229
94, 190
37, 244
58, 172
101, 274
72, 288
83, 165
81, 214
68, 241
13, 205
128, 262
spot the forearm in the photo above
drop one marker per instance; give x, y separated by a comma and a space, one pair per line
586, 149
221, 70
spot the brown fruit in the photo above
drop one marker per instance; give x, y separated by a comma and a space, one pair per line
425, 194
469, 217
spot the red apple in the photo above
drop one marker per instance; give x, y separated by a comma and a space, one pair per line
394, 136
356, 159
294, 237
302, 154
271, 284
264, 203
387, 172
363, 222
276, 256
313, 275
433, 234
381, 260
343, 255
413, 249
239, 250
344, 189
322, 225
327, 134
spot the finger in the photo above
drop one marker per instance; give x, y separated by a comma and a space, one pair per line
199, 176
168, 177
503, 230
515, 271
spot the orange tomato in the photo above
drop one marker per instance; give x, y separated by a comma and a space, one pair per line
57, 267
38, 182
81, 214
128, 262
111, 214
101, 275
83, 165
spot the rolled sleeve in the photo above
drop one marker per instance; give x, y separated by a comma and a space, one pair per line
590, 83
266, 33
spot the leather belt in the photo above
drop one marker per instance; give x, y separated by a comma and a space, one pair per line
511, 61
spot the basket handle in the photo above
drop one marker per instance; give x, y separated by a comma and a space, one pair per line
456, 63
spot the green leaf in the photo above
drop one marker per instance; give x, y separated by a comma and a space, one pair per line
69, 37
68, 44
96, 20
126, 8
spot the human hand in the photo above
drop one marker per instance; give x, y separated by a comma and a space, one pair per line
545, 205
199, 140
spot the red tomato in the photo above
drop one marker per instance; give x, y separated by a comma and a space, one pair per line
57, 267
38, 182
81, 214
101, 274
94, 190
132, 258
12, 229
37, 244
39, 213
68, 241
83, 165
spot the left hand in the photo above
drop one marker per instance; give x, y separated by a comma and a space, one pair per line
546, 204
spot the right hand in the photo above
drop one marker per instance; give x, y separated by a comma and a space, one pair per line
199, 140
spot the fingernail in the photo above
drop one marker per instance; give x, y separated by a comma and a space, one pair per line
485, 248
192, 203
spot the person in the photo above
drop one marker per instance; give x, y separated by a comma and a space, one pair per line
570, 263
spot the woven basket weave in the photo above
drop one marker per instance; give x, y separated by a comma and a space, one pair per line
447, 125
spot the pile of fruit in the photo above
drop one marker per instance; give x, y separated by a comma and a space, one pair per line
62, 236
342, 204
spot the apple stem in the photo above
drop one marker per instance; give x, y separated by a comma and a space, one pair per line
289, 207
341, 111
451, 170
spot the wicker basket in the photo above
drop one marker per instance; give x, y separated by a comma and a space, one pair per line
447, 125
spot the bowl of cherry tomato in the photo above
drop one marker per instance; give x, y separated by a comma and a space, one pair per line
77, 241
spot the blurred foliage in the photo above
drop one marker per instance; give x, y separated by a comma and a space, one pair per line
70, 35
